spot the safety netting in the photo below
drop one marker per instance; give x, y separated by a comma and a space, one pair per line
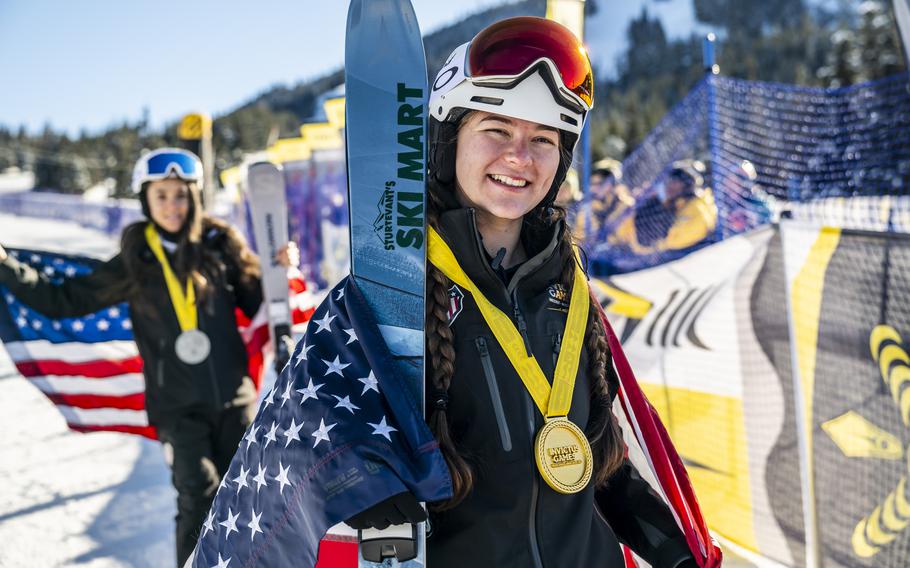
735, 154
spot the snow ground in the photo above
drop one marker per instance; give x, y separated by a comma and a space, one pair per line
101, 500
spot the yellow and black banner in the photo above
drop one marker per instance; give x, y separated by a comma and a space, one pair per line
851, 323
687, 327
779, 363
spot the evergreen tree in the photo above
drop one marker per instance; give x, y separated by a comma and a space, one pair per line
869, 49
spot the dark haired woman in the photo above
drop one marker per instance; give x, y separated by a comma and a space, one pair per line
520, 381
182, 273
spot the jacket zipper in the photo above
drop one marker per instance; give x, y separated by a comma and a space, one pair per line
557, 345
535, 493
516, 311
210, 363
529, 412
520, 320
490, 373
159, 365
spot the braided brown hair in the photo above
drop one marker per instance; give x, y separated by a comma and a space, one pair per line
440, 346
602, 429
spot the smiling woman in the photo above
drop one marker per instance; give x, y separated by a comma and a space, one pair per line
504, 168
169, 203
520, 381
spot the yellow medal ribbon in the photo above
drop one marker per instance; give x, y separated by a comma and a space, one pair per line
552, 402
184, 302
562, 452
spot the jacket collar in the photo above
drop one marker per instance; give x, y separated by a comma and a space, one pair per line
458, 227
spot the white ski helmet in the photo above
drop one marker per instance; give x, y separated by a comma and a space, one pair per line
527, 68
164, 163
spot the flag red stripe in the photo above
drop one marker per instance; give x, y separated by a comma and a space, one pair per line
260, 335
255, 365
296, 285
91, 401
258, 340
336, 553
300, 316
90, 369
147, 431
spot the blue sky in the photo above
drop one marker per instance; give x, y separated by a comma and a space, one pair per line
94, 63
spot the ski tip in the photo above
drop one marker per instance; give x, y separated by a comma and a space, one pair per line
381, 33
386, 13
355, 13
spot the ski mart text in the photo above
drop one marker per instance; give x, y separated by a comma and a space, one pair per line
409, 206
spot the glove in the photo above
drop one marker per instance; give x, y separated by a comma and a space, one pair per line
284, 346
396, 510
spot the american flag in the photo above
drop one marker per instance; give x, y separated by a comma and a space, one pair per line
89, 366
338, 433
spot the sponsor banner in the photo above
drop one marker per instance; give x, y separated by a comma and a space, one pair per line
850, 321
689, 333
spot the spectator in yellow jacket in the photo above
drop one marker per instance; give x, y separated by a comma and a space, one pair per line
610, 199
682, 217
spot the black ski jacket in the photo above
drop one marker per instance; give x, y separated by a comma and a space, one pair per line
512, 517
172, 387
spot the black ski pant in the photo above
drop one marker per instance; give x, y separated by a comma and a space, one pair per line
202, 444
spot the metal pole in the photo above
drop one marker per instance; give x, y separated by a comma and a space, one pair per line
708, 54
208, 167
195, 129
711, 72
571, 14
800, 401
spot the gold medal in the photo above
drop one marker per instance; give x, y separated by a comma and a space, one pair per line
561, 450
563, 456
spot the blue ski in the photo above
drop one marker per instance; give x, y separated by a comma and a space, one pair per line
385, 90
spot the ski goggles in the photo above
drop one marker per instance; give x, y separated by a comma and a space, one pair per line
183, 165
513, 47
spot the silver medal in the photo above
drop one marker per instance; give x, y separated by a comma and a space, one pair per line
193, 346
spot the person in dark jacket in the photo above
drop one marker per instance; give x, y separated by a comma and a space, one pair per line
182, 273
539, 480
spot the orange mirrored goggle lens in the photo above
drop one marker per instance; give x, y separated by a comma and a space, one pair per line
510, 46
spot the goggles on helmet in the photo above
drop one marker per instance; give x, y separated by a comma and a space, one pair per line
164, 163
510, 47
528, 68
